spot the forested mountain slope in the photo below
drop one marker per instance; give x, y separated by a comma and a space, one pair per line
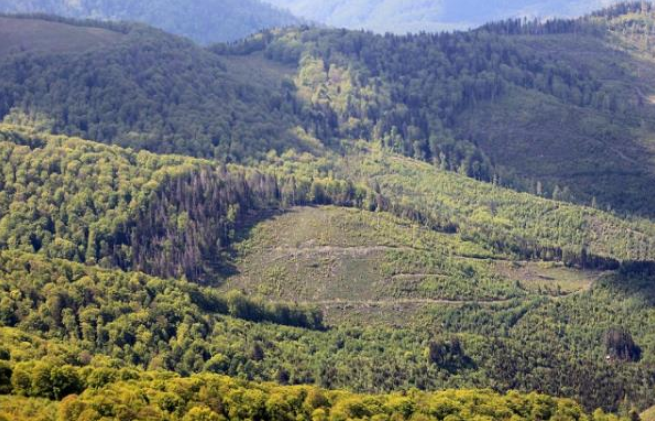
493, 105
53, 37
205, 21
174, 216
87, 202
82, 201
326, 208
149, 90
560, 110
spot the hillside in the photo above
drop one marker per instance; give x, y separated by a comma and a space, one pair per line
494, 106
167, 95
500, 219
559, 110
352, 259
173, 217
204, 21
326, 224
150, 395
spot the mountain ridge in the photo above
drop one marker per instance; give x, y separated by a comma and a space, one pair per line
205, 21
429, 16
574, 119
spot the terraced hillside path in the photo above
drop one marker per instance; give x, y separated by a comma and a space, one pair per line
362, 251
407, 301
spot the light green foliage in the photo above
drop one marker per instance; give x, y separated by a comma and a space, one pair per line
215, 398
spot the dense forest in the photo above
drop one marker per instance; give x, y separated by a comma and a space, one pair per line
178, 217
129, 394
204, 21
166, 215
329, 218
442, 98
139, 321
172, 216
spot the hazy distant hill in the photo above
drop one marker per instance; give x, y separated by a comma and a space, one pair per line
400, 16
205, 21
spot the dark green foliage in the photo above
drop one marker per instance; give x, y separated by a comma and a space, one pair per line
407, 91
190, 220
180, 326
489, 104
70, 210
167, 95
166, 216
621, 346
449, 354
72, 301
447, 99
5, 378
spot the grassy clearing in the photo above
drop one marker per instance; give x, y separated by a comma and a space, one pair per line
323, 254
375, 267
547, 277
648, 415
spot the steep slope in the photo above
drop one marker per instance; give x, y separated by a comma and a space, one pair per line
497, 218
204, 21
115, 261
149, 91
560, 109
494, 106
172, 216
81, 201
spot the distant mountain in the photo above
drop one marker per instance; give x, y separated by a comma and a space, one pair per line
400, 16
205, 21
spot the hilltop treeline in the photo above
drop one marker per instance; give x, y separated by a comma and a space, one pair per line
326, 86
167, 95
198, 21
403, 91
406, 91
597, 23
